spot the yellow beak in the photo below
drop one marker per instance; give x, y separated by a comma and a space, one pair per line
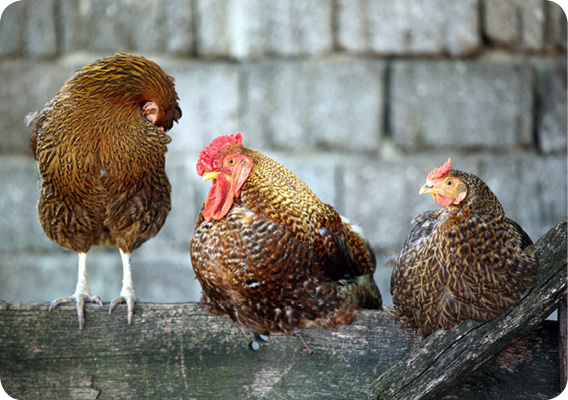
209, 175
427, 188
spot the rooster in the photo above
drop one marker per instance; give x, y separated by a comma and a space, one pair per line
269, 254
100, 145
466, 261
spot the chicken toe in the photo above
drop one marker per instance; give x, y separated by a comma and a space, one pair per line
127, 294
82, 292
81, 299
125, 297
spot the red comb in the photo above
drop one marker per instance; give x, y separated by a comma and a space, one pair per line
439, 172
208, 154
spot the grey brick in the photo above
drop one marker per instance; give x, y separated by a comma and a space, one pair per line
166, 277
300, 27
461, 25
382, 278
143, 29
533, 13
245, 26
32, 84
177, 231
531, 189
408, 27
556, 26
352, 25
147, 32
252, 28
213, 36
461, 104
159, 277
302, 106
74, 20
551, 117
41, 31
209, 101
19, 228
12, 29
500, 21
382, 197
515, 22
109, 26
178, 38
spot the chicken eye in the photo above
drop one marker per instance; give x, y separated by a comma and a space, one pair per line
232, 161
449, 182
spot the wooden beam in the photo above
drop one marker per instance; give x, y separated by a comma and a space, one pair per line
179, 351
563, 338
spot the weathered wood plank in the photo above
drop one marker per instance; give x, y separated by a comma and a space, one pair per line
446, 357
563, 338
178, 351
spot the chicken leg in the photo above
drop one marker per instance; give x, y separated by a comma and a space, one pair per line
127, 294
82, 292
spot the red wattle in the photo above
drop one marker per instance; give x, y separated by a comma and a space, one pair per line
219, 199
441, 200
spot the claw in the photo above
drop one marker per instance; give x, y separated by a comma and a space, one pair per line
80, 299
310, 351
127, 294
130, 300
82, 292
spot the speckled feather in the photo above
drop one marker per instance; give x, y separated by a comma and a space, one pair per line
281, 259
101, 162
461, 263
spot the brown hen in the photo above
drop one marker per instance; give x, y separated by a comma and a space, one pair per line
270, 254
466, 261
100, 145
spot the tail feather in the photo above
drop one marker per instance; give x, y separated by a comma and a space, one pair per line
363, 292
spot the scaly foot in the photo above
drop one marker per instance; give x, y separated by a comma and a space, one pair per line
80, 298
128, 297
127, 294
82, 292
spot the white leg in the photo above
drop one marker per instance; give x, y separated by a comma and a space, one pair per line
82, 282
127, 293
82, 292
127, 285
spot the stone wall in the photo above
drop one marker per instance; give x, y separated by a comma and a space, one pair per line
361, 98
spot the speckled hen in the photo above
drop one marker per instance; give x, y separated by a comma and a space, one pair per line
100, 145
465, 261
269, 254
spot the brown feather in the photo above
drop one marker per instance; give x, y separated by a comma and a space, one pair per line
466, 261
281, 259
101, 162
